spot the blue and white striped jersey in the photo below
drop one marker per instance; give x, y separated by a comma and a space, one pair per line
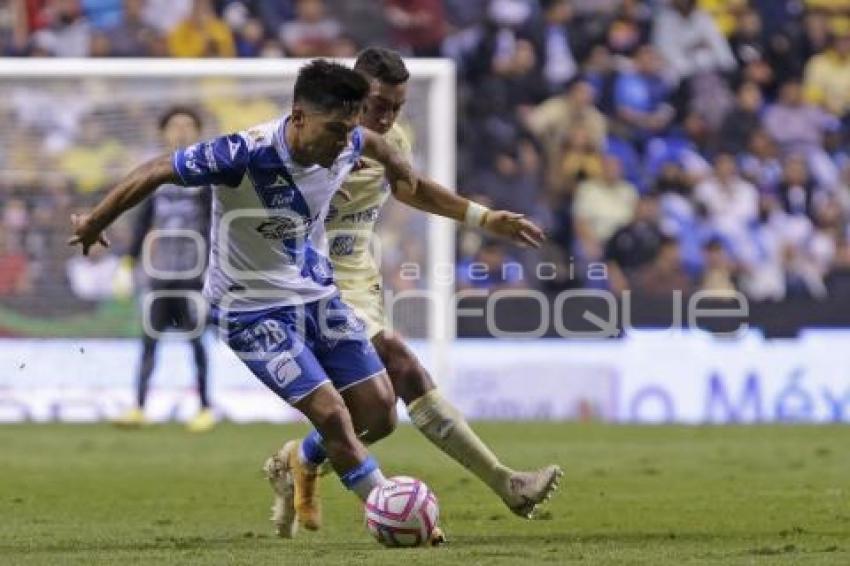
267, 240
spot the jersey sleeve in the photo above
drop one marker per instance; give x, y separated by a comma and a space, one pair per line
219, 161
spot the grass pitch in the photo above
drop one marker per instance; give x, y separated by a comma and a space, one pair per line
653, 495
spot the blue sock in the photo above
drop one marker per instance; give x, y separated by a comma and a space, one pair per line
313, 449
363, 478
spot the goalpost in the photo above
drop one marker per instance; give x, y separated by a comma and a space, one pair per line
89, 120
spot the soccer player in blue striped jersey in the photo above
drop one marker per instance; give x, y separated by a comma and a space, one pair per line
269, 284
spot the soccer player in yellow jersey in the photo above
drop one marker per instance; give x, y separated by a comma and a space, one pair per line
350, 224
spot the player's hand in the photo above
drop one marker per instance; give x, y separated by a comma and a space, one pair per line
86, 233
514, 226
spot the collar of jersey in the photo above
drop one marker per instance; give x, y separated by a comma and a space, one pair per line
283, 149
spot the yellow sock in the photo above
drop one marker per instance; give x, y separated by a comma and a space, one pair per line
445, 426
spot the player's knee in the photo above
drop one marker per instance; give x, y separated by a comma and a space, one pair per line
333, 421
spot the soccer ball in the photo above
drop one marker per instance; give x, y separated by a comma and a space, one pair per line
402, 512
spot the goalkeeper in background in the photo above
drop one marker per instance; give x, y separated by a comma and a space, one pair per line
174, 208
350, 225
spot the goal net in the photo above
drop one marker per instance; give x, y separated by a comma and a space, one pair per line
70, 128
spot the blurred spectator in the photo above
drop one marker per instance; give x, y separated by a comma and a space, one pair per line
94, 159
679, 215
201, 34
730, 202
13, 29
600, 71
494, 43
808, 253
462, 14
718, 272
690, 42
725, 13
556, 44
553, 120
748, 41
827, 80
132, 36
629, 159
512, 183
760, 164
312, 33
635, 244
490, 268
251, 41
742, 120
165, 15
602, 206
761, 258
67, 33
14, 266
630, 28
799, 128
685, 146
581, 160
102, 13
796, 190
665, 274
640, 97
417, 26
15, 218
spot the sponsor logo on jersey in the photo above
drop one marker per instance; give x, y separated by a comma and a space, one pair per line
281, 200
368, 215
283, 369
279, 181
342, 245
190, 157
209, 156
283, 227
234, 148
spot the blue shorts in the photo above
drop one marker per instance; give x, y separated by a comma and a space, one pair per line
295, 349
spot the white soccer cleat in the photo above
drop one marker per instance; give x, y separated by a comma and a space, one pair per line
526, 491
283, 506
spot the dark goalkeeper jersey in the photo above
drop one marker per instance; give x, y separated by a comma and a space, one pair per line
175, 221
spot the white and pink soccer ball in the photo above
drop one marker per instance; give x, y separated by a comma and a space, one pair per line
402, 512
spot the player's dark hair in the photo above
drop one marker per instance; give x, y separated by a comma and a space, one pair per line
330, 86
181, 111
383, 64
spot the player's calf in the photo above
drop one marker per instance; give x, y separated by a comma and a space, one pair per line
409, 379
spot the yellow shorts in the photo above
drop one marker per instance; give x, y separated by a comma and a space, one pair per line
367, 299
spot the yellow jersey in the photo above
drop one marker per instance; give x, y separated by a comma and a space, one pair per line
350, 226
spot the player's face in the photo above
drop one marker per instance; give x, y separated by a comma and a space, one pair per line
180, 131
321, 137
383, 105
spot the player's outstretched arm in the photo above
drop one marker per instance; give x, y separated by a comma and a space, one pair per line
430, 197
131, 190
433, 198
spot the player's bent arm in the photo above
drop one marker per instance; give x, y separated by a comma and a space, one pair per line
397, 167
131, 190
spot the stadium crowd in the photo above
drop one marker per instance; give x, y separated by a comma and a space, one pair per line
683, 144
